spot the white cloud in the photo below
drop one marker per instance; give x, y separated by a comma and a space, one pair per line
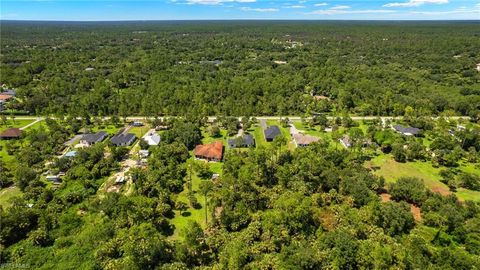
416, 3
341, 10
259, 9
320, 4
340, 7
460, 10
295, 6
217, 2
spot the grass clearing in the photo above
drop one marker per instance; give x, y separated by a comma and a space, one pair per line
257, 133
183, 218
391, 170
18, 123
7, 193
139, 131
110, 129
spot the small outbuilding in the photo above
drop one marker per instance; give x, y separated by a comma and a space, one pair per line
345, 141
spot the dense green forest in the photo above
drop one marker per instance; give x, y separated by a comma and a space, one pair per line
242, 68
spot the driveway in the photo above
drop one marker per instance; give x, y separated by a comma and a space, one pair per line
263, 123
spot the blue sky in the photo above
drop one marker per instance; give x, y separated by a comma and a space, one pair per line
100, 10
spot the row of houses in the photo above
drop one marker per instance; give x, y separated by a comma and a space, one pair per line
119, 139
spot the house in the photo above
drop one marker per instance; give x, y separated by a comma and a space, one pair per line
54, 178
161, 127
136, 124
246, 140
11, 133
152, 138
345, 141
71, 154
210, 152
478, 67
302, 140
4, 97
271, 133
93, 138
123, 139
143, 153
407, 131
9, 92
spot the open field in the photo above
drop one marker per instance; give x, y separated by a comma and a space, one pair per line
386, 166
7, 193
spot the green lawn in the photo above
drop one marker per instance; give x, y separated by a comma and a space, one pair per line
7, 193
38, 125
182, 219
18, 123
139, 131
392, 170
257, 133
110, 129
209, 139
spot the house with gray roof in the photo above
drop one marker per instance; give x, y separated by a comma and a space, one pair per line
246, 140
271, 133
93, 138
123, 139
407, 131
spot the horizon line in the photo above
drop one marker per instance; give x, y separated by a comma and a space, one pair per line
245, 19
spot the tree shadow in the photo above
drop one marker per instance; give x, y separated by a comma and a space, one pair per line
186, 214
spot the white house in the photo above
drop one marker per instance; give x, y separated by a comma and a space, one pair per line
152, 138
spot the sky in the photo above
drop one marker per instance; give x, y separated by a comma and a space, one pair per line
101, 10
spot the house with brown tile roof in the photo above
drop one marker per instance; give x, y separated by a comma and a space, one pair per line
210, 152
11, 133
5, 98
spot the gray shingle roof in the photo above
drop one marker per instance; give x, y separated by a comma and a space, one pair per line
123, 139
406, 130
271, 132
246, 140
93, 138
